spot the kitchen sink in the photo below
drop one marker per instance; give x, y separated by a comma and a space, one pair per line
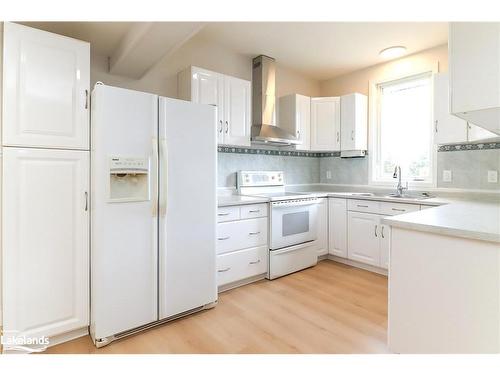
421, 196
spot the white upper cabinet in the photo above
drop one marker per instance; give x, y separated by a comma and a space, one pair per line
325, 124
447, 127
474, 60
237, 111
295, 117
231, 95
353, 122
46, 79
45, 241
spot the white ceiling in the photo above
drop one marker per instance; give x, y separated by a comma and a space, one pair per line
325, 50
318, 50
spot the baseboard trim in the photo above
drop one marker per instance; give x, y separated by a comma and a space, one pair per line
236, 284
353, 263
68, 336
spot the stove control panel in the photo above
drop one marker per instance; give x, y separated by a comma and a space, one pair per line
260, 178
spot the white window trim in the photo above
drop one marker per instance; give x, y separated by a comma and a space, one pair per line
373, 133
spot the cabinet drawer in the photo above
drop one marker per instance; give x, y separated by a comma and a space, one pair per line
228, 213
243, 234
241, 264
253, 210
363, 206
388, 208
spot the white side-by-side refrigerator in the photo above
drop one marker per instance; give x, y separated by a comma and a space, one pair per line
153, 207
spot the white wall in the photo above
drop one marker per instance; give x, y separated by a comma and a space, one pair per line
162, 78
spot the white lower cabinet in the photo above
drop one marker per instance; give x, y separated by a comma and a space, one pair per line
363, 237
385, 245
322, 241
242, 243
45, 241
337, 227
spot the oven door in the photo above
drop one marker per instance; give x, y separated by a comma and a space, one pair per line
293, 222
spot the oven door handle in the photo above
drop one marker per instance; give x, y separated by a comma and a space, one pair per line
284, 204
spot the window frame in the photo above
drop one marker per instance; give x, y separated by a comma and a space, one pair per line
374, 129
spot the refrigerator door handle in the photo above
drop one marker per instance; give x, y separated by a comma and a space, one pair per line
164, 178
154, 200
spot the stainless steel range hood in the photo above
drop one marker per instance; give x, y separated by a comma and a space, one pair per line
264, 129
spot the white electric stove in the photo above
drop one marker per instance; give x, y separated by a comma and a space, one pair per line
293, 221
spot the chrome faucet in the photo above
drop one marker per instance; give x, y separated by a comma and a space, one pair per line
397, 174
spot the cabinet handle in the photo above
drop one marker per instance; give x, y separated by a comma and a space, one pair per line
254, 233
376, 230
86, 201
436, 126
86, 99
398, 209
383, 231
223, 214
254, 211
257, 261
338, 136
352, 135
224, 270
298, 134
220, 129
360, 205
224, 238
227, 127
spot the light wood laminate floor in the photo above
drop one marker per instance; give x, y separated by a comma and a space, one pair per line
330, 308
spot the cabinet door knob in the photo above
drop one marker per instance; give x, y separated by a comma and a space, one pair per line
224, 238
435, 126
220, 129
383, 231
224, 270
257, 261
227, 127
352, 135
254, 233
86, 201
376, 230
86, 99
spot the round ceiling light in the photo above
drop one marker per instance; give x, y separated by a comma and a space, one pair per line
392, 52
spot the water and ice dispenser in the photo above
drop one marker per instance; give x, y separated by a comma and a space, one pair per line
128, 179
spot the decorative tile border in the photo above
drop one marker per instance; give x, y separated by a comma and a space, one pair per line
261, 151
469, 146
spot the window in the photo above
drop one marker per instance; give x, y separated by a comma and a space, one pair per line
403, 133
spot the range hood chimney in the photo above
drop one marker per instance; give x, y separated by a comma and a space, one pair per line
264, 129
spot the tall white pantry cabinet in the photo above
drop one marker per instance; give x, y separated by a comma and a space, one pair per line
45, 184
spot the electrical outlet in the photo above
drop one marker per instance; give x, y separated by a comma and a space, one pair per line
447, 176
328, 175
493, 176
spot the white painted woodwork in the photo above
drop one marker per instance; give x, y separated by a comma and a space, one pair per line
385, 245
46, 82
474, 65
337, 226
45, 241
241, 234
363, 237
448, 128
146, 43
251, 211
228, 213
241, 264
443, 294
295, 117
353, 122
237, 111
322, 240
361, 205
231, 96
390, 208
325, 124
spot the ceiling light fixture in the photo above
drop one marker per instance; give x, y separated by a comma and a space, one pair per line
392, 52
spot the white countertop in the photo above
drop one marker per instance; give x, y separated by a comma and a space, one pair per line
235, 200
478, 220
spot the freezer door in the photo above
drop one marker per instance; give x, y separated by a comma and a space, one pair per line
124, 233
188, 170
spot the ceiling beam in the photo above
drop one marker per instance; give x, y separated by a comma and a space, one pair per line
148, 42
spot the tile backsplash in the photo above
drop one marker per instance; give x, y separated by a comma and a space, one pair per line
469, 168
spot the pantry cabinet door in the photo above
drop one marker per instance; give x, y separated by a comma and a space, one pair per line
45, 241
325, 124
236, 111
338, 227
363, 238
46, 81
